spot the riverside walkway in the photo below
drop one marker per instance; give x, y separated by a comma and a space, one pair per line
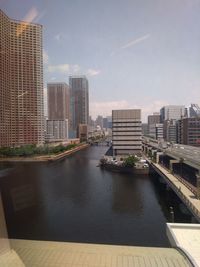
187, 195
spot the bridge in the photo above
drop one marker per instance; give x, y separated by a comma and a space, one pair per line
180, 167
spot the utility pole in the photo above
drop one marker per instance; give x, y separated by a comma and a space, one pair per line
171, 210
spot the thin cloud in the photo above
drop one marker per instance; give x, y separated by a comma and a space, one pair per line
131, 43
93, 72
60, 37
64, 68
58, 68
136, 41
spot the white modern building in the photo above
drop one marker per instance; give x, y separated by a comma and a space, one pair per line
126, 131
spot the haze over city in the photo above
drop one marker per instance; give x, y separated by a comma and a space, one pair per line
136, 54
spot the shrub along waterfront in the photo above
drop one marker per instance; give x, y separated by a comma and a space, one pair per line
130, 161
33, 150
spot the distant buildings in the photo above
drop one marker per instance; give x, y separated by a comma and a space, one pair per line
99, 121
145, 129
21, 83
126, 131
177, 126
79, 103
170, 130
172, 112
159, 131
152, 121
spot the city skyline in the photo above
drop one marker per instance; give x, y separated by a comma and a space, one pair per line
135, 55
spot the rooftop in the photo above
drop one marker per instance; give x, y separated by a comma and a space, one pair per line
186, 237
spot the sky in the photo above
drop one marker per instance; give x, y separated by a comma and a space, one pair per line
135, 53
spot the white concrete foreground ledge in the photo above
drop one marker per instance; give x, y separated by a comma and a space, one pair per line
65, 254
186, 237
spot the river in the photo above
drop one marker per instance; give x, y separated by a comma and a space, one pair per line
74, 200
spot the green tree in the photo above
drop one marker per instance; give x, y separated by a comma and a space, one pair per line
130, 161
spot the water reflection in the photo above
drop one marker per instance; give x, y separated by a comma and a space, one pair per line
126, 195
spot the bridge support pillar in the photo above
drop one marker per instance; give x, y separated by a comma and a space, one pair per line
171, 162
154, 151
158, 154
198, 184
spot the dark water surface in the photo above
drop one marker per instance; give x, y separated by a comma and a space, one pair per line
74, 200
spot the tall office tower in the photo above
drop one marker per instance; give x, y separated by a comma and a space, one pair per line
172, 112
152, 121
194, 110
79, 106
58, 101
21, 83
126, 131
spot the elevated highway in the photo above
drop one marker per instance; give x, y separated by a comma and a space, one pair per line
184, 193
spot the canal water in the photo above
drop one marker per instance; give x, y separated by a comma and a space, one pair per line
74, 200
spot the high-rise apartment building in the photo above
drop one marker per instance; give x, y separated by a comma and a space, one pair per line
172, 112
126, 131
21, 83
58, 101
79, 106
58, 111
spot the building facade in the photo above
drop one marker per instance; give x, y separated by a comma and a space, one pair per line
152, 121
145, 129
126, 131
172, 112
58, 101
170, 130
189, 131
79, 105
83, 132
57, 130
21, 83
159, 131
